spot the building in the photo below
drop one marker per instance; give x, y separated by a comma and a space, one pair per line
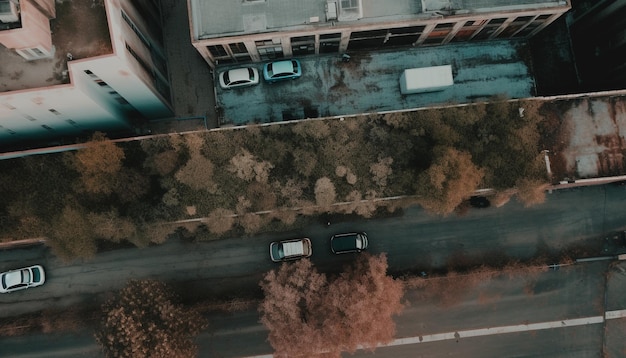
598, 35
261, 30
70, 68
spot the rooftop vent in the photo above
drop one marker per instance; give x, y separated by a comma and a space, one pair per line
8, 11
331, 10
350, 10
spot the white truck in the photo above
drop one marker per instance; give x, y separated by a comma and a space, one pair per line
426, 79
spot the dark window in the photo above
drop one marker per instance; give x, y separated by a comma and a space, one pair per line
497, 21
407, 30
238, 47
447, 25
330, 36
54, 111
217, 50
368, 34
47, 128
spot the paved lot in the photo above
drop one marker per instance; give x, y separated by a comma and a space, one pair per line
370, 83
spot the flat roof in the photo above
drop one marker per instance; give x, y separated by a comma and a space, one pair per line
218, 18
79, 29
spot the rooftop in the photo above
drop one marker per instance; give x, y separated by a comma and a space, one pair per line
79, 31
257, 16
370, 83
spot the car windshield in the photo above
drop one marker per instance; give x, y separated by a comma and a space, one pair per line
36, 275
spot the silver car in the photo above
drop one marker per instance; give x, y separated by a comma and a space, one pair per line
239, 77
20, 279
290, 249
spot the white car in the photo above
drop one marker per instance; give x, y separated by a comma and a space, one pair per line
290, 249
20, 279
239, 77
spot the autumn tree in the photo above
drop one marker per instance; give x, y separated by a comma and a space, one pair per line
324, 192
326, 317
143, 320
99, 163
450, 179
531, 191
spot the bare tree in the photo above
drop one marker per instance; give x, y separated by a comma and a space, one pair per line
143, 320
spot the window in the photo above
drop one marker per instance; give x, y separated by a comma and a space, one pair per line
447, 25
52, 110
336, 36
349, 4
101, 83
91, 74
217, 51
32, 119
136, 30
71, 122
48, 128
238, 47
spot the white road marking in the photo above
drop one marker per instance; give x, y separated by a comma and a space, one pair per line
498, 330
615, 314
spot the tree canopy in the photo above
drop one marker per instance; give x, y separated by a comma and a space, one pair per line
143, 320
309, 314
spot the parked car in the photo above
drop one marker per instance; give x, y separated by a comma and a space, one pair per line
20, 279
479, 202
239, 77
290, 249
282, 70
350, 242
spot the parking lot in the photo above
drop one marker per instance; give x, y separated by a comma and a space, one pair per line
369, 82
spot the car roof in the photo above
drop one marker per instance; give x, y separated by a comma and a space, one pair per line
293, 248
13, 278
282, 67
238, 74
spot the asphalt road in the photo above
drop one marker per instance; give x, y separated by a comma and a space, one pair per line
430, 329
414, 240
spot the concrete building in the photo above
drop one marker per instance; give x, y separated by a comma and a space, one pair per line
73, 67
598, 34
261, 30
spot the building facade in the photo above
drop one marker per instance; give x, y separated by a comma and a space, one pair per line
261, 30
101, 68
598, 35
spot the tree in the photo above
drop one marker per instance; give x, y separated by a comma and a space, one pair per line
324, 192
348, 325
99, 163
142, 320
308, 315
450, 179
531, 191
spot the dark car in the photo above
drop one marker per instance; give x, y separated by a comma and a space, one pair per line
350, 242
479, 202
